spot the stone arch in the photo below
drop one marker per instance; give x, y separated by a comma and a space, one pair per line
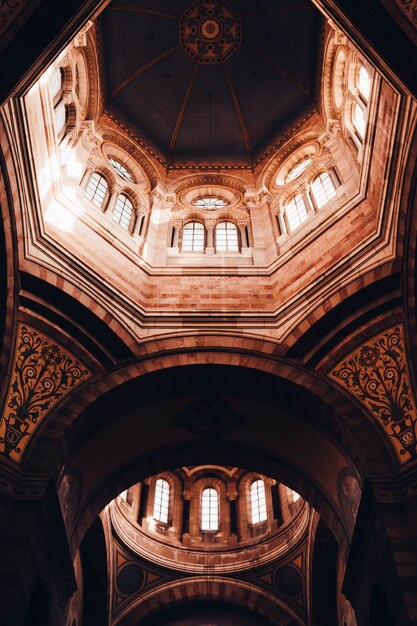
94, 416
230, 592
9, 185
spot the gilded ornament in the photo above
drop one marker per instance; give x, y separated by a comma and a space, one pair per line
377, 375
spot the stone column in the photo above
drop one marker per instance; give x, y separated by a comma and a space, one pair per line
264, 244
115, 191
383, 552
175, 235
186, 511
157, 240
210, 226
34, 555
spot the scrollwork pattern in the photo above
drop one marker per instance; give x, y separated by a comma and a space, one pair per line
409, 8
43, 372
377, 375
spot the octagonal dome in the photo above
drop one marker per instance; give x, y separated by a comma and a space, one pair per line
210, 83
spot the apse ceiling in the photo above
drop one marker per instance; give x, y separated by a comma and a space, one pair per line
210, 83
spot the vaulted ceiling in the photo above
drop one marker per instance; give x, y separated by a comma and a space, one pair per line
209, 82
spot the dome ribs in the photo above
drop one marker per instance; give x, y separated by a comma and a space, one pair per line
240, 116
181, 115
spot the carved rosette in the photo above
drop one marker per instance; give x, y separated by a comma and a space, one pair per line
43, 372
210, 31
376, 373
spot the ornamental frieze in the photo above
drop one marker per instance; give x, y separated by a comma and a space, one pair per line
43, 373
409, 8
377, 374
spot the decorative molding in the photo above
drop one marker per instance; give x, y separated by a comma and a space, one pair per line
409, 8
209, 417
43, 373
377, 375
13, 14
80, 40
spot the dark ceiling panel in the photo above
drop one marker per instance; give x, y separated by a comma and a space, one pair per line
129, 41
282, 39
270, 91
227, 111
210, 131
150, 103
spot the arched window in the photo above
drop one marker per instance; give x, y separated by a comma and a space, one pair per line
358, 119
364, 82
161, 501
226, 237
123, 211
193, 237
323, 189
96, 189
55, 83
296, 211
60, 115
209, 509
257, 501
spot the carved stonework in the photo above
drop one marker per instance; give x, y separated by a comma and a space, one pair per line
209, 417
409, 8
80, 40
43, 372
210, 31
377, 375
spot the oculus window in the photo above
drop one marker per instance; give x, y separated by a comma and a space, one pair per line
121, 169
210, 203
298, 169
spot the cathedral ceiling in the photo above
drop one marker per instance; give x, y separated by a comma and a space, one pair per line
210, 82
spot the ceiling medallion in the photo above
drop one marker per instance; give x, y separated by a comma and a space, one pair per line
209, 417
210, 31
